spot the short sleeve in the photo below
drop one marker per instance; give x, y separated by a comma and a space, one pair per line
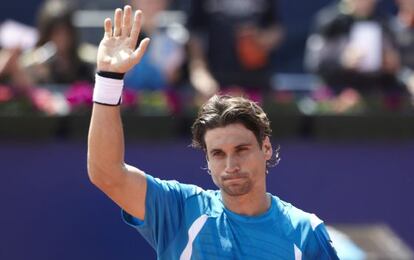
310, 235
318, 244
325, 242
164, 204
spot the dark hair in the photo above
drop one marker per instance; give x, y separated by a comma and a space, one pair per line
55, 13
222, 110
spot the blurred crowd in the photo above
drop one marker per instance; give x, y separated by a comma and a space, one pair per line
363, 59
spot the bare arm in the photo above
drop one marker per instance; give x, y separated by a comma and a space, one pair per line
124, 184
9, 65
200, 75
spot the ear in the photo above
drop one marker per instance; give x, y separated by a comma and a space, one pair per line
208, 161
267, 148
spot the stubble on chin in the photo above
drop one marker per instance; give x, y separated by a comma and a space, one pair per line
237, 189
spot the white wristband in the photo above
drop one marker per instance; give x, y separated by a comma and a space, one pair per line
107, 90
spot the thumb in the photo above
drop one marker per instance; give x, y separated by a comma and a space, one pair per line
139, 52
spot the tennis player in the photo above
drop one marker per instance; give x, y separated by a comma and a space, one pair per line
240, 220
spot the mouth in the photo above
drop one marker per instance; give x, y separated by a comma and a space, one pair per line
234, 177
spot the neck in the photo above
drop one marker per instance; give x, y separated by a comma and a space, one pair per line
248, 204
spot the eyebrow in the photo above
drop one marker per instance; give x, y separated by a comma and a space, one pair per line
215, 150
243, 145
237, 147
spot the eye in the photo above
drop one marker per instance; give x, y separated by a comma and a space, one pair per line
242, 149
216, 153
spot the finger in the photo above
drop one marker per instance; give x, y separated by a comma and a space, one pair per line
136, 27
117, 22
108, 28
126, 22
139, 52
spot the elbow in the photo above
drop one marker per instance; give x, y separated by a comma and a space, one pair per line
100, 176
94, 173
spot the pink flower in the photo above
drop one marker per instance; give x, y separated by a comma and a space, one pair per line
129, 97
322, 93
6, 94
253, 94
79, 94
174, 102
42, 99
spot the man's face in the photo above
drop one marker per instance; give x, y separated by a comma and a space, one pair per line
236, 160
61, 36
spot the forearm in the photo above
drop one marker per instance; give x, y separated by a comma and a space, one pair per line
117, 54
196, 53
105, 144
200, 75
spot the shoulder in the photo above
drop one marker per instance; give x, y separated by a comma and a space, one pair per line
189, 194
205, 202
192, 199
306, 231
295, 219
186, 190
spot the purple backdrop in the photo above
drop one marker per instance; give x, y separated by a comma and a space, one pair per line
49, 210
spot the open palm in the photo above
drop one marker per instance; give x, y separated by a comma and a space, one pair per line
117, 51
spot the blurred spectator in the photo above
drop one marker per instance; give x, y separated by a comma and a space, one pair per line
10, 70
161, 65
56, 59
15, 38
57, 56
231, 44
402, 26
352, 49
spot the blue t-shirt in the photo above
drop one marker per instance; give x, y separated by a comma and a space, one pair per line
186, 222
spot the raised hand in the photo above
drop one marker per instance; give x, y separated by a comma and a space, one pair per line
117, 51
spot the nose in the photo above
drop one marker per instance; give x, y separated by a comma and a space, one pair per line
232, 165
